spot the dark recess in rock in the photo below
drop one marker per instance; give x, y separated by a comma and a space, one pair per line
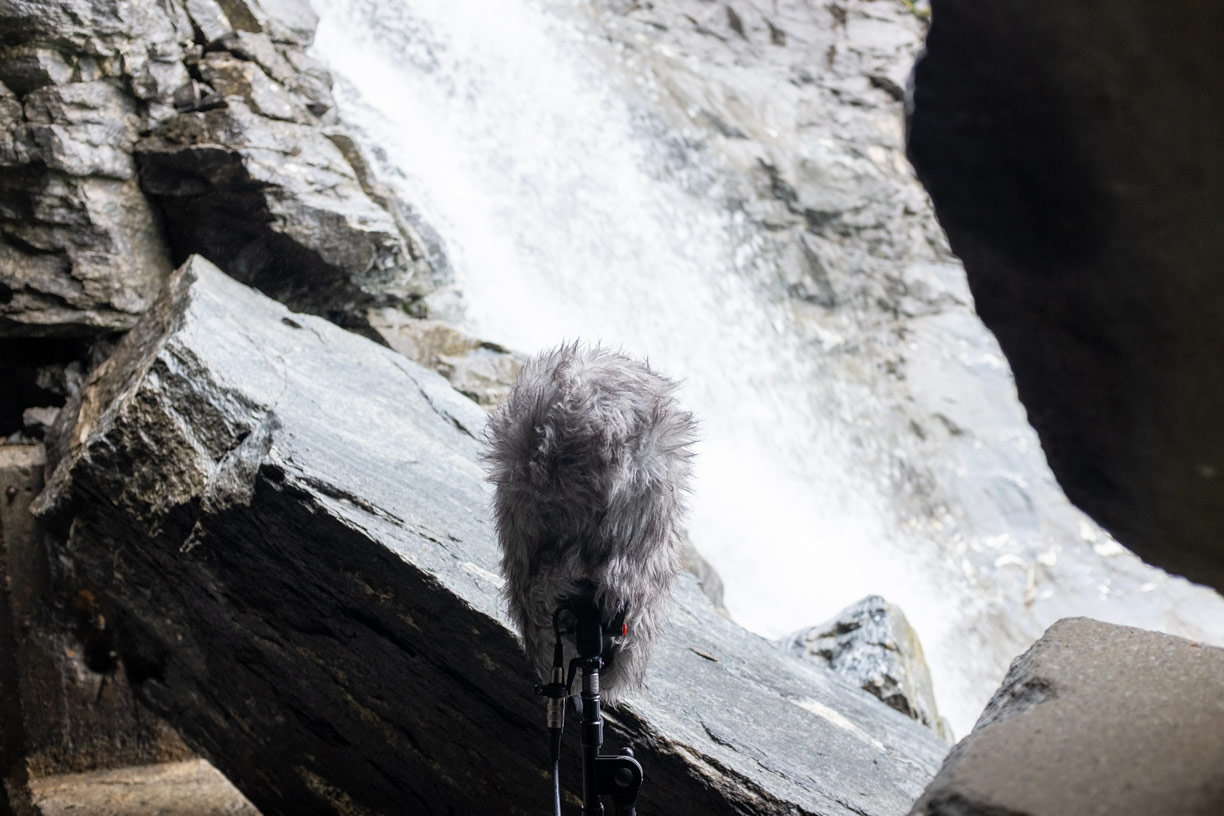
26, 370
1078, 172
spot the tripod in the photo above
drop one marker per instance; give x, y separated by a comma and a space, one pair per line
618, 776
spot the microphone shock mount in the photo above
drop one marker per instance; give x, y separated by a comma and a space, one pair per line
616, 776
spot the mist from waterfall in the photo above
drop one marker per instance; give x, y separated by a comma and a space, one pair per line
566, 214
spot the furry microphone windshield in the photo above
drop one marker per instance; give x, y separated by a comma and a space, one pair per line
590, 456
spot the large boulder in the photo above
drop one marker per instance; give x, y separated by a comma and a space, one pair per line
290, 527
1074, 162
1094, 718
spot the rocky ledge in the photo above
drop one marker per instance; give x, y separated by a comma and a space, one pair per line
134, 134
288, 525
1094, 718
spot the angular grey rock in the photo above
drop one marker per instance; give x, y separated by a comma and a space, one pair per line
291, 21
38, 420
711, 583
872, 645
278, 206
1071, 161
246, 81
26, 68
480, 370
81, 253
62, 380
209, 18
83, 246
83, 128
298, 72
1094, 718
291, 525
80, 250
101, 29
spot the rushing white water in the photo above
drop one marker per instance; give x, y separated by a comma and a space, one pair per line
563, 218
557, 227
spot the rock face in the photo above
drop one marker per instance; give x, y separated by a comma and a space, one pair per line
872, 645
67, 705
480, 370
137, 133
273, 200
80, 252
1094, 718
290, 526
1078, 175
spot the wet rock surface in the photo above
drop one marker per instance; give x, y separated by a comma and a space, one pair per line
1077, 173
135, 134
1094, 718
80, 251
326, 626
872, 645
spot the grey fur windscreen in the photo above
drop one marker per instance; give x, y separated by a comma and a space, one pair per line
591, 458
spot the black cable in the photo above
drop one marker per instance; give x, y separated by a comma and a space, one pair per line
556, 763
556, 731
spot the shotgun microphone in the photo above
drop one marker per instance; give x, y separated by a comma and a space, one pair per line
590, 456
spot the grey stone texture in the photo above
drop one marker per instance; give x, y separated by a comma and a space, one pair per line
1094, 719
135, 133
1074, 161
292, 525
872, 644
479, 369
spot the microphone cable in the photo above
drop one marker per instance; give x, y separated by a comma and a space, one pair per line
556, 691
556, 763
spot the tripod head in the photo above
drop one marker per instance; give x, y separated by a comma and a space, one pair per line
617, 776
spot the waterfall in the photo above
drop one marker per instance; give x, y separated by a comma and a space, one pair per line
567, 212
